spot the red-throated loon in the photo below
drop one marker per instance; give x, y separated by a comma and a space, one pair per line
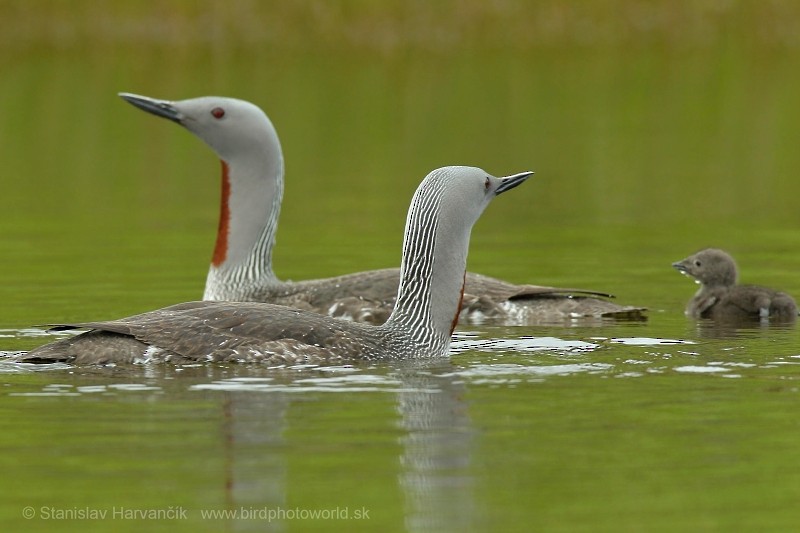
432, 272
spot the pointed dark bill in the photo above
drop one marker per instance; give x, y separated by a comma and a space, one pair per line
160, 108
509, 182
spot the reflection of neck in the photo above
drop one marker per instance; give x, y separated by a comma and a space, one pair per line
436, 478
249, 209
255, 462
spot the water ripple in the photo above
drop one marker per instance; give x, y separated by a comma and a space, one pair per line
60, 389
647, 341
500, 373
334, 383
34, 333
522, 344
694, 369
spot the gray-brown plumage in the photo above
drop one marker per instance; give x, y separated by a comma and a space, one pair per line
443, 210
369, 297
719, 296
209, 331
252, 173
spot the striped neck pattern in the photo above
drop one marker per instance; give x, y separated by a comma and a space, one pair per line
414, 311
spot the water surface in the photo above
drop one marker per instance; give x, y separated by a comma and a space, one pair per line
544, 429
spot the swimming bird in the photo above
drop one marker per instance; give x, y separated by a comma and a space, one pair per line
432, 275
720, 298
246, 142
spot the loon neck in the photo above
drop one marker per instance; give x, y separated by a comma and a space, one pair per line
430, 292
252, 190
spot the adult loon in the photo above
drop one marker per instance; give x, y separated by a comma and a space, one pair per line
246, 142
443, 210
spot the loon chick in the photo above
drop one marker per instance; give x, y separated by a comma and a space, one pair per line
720, 298
443, 210
246, 142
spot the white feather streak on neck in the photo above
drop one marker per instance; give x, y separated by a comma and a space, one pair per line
431, 274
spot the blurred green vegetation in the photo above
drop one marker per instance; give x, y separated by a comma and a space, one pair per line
655, 129
397, 26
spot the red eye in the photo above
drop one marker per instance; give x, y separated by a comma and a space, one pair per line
487, 183
218, 112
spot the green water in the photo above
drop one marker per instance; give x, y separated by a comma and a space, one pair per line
655, 129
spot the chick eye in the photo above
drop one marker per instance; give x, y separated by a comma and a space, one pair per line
486, 184
217, 112
697, 262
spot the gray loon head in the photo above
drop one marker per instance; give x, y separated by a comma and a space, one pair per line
443, 210
232, 128
252, 187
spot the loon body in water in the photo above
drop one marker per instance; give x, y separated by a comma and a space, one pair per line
719, 296
245, 140
433, 269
